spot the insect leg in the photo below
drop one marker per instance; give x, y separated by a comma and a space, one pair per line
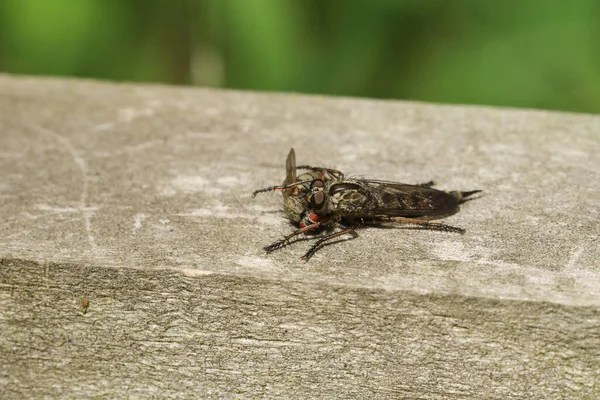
426, 184
333, 172
313, 249
435, 226
280, 187
283, 242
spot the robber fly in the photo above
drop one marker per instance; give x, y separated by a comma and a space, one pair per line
323, 199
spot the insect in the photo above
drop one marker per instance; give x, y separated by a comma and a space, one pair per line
324, 200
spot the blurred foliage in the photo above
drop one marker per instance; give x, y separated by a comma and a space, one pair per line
521, 53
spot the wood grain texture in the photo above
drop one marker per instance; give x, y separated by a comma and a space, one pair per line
156, 332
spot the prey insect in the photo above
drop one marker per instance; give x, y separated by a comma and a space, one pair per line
324, 200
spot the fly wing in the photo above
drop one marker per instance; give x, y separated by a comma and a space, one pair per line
364, 198
290, 168
292, 204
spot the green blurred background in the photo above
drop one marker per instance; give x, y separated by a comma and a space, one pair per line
521, 53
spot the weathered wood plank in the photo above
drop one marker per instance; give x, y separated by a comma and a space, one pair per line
137, 198
151, 331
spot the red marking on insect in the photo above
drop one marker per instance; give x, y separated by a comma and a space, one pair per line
312, 218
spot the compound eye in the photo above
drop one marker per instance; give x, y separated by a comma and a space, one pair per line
317, 200
317, 183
